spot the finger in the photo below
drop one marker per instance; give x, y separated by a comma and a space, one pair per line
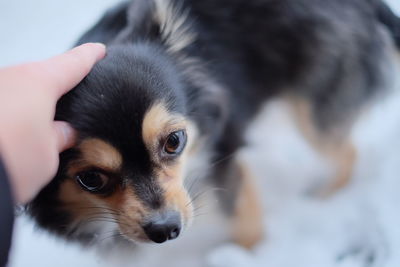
65, 135
68, 69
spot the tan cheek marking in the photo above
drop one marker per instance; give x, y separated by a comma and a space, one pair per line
71, 194
159, 122
123, 200
130, 204
123, 204
171, 180
171, 177
176, 197
76, 201
100, 154
83, 204
132, 214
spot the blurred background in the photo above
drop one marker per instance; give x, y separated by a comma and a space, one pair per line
358, 226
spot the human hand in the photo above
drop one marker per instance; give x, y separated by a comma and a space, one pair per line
30, 139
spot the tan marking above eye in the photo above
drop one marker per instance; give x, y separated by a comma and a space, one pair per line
159, 122
97, 153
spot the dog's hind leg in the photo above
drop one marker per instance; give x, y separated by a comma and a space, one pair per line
335, 145
240, 200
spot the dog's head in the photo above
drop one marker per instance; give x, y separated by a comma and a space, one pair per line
136, 136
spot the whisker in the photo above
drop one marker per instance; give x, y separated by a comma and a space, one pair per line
204, 192
200, 214
111, 236
107, 210
200, 207
103, 213
105, 219
193, 182
219, 161
100, 207
216, 162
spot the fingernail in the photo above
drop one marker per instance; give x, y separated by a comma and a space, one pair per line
103, 48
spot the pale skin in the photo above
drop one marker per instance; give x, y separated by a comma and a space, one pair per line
30, 139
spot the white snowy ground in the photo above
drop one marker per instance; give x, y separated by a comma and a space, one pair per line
357, 227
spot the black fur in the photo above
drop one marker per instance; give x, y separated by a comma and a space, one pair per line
246, 51
389, 19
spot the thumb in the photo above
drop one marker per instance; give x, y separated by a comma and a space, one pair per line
65, 135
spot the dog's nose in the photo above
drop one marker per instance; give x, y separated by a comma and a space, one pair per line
163, 226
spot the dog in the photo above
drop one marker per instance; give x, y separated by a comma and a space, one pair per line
180, 84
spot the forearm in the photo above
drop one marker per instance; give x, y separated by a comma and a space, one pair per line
6, 215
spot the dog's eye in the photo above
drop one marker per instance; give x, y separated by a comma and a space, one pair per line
92, 181
175, 143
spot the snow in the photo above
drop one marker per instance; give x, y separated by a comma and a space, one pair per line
356, 227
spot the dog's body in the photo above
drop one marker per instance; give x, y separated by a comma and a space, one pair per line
195, 73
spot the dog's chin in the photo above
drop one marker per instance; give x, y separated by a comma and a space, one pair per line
133, 234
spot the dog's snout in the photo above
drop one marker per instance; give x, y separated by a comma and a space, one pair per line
163, 226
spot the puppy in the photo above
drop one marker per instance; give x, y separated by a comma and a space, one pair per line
181, 82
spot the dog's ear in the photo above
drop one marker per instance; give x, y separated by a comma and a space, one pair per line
159, 20
388, 18
139, 22
108, 27
208, 100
